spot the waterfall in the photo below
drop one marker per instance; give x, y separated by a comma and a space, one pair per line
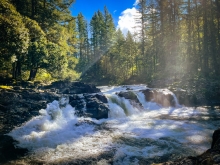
120, 107
126, 106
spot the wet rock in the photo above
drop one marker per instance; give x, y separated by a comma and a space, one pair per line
128, 95
101, 98
3, 108
163, 97
18, 106
8, 151
149, 94
186, 98
132, 97
216, 139
95, 107
78, 103
90, 105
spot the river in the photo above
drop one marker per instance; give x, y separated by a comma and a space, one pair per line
132, 134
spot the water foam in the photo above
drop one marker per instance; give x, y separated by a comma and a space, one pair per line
52, 127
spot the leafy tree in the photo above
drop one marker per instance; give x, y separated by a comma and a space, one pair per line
37, 51
29, 29
14, 38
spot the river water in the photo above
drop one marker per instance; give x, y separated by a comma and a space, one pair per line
132, 134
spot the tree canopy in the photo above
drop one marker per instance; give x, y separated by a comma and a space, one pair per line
37, 35
176, 40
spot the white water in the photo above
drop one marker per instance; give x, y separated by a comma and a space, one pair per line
129, 136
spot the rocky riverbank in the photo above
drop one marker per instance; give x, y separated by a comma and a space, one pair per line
24, 100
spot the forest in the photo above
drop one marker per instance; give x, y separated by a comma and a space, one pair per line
174, 40
78, 91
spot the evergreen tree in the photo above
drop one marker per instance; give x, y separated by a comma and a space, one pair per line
83, 43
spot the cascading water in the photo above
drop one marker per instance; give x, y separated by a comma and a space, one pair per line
136, 132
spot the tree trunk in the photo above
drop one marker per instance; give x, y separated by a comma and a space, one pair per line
16, 70
205, 39
33, 73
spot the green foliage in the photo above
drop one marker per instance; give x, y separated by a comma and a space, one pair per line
13, 35
37, 36
43, 75
176, 39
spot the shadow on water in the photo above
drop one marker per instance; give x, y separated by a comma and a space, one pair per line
150, 150
103, 158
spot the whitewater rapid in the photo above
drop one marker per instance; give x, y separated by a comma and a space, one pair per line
131, 134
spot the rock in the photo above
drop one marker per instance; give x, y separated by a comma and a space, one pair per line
185, 98
3, 108
95, 107
101, 98
18, 106
90, 105
17, 88
149, 94
8, 151
132, 98
216, 139
164, 97
128, 95
79, 104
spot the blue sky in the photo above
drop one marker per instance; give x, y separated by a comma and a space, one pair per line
122, 11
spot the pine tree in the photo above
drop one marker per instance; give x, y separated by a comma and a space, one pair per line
83, 43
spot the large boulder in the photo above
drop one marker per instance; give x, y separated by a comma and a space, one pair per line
164, 97
8, 151
216, 139
128, 95
186, 98
90, 105
132, 97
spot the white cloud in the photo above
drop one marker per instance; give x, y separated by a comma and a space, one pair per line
127, 20
136, 2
